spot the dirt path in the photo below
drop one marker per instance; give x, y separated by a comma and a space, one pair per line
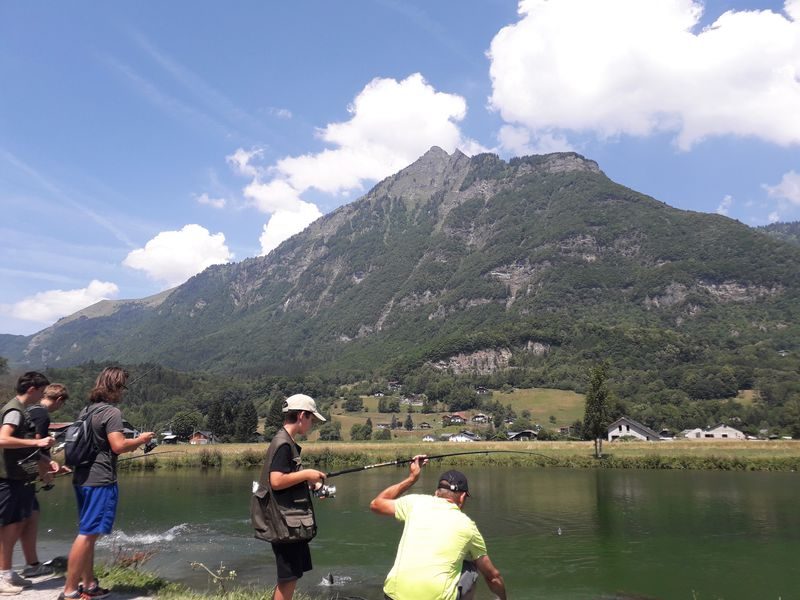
50, 588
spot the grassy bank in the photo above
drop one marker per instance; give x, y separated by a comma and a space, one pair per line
329, 456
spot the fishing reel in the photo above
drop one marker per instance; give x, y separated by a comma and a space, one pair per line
150, 446
325, 491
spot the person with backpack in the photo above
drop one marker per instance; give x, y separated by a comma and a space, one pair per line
95, 480
54, 397
18, 469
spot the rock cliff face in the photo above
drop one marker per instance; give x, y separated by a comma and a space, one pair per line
456, 262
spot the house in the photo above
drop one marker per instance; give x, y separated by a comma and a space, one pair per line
723, 432
480, 389
168, 437
201, 437
480, 418
429, 438
129, 431
526, 435
383, 426
465, 436
627, 427
454, 419
424, 425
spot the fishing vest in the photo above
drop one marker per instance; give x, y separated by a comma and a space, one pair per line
19, 463
288, 517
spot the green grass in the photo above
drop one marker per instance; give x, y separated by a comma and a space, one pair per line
566, 406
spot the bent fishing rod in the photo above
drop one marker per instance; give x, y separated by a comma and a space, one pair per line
405, 461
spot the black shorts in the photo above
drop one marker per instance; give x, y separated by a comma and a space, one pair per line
16, 501
292, 560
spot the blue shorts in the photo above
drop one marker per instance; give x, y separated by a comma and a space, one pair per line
97, 508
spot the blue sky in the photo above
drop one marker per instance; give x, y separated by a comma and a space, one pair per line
141, 142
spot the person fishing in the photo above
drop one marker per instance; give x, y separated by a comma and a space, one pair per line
281, 507
54, 397
18, 450
95, 482
441, 550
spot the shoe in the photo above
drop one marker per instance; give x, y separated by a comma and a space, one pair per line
6, 587
37, 570
20, 581
95, 591
76, 594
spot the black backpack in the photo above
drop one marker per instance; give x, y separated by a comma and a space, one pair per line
80, 447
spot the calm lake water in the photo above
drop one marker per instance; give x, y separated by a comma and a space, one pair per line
553, 533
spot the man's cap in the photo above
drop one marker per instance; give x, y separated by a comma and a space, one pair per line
302, 402
455, 481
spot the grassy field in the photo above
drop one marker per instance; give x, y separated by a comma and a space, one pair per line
565, 406
780, 455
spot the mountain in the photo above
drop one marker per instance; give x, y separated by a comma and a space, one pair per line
788, 232
471, 264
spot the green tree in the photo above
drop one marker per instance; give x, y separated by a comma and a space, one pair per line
3, 365
408, 423
596, 415
274, 420
186, 423
331, 431
382, 434
359, 432
245, 422
353, 404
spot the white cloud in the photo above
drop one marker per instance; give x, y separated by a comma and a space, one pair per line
173, 256
241, 161
283, 224
774, 217
213, 202
46, 307
725, 205
521, 142
281, 113
392, 123
636, 68
788, 188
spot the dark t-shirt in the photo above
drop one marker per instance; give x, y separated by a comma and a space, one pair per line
283, 463
103, 471
40, 417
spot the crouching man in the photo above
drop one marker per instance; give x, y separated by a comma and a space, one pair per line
441, 551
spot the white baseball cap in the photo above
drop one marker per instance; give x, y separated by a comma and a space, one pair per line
302, 402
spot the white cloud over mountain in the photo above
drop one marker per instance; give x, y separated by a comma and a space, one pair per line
172, 257
627, 67
391, 124
50, 305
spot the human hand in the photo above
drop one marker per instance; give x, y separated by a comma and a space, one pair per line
314, 478
53, 467
146, 437
415, 467
64, 469
45, 442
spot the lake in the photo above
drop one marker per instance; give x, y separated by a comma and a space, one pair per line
553, 533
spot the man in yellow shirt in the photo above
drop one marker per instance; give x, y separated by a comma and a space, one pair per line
441, 547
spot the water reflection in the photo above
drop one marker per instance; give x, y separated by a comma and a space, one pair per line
577, 534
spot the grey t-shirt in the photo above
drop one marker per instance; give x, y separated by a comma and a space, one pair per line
105, 419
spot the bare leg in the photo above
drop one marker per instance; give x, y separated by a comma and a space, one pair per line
285, 590
80, 561
30, 529
9, 534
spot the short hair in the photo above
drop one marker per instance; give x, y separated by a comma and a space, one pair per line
109, 385
448, 494
56, 391
292, 416
31, 379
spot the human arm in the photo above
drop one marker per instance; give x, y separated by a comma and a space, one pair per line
383, 503
282, 474
9, 442
492, 576
119, 444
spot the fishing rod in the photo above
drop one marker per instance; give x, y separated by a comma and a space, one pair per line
405, 461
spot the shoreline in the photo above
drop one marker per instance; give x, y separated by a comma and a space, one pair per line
673, 455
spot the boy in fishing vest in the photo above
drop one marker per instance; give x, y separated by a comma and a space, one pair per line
54, 397
441, 551
19, 468
290, 485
